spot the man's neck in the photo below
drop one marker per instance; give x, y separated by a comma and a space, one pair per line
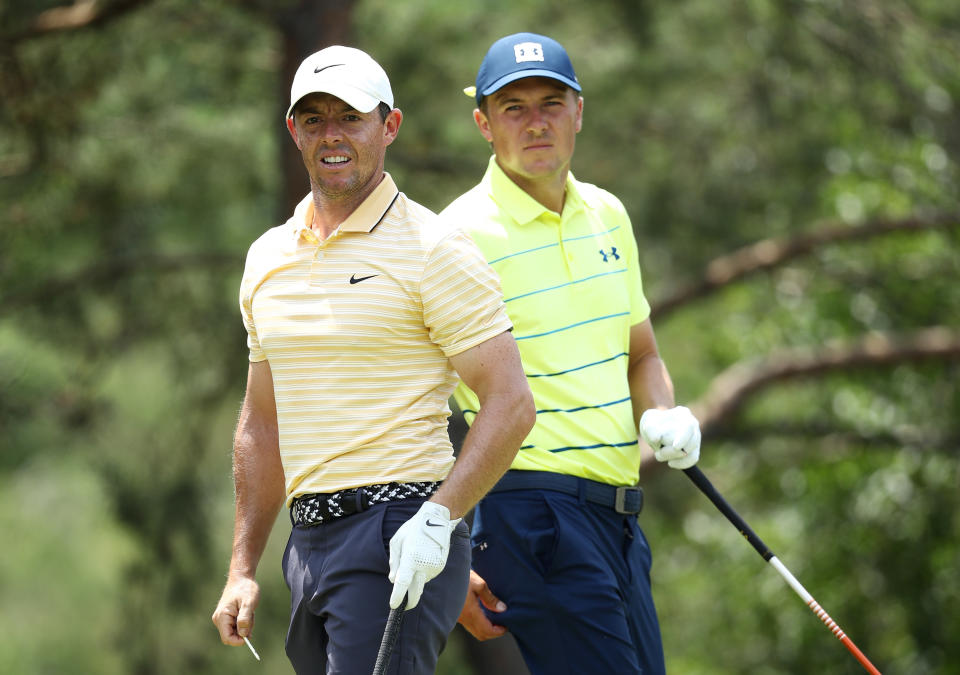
550, 191
329, 212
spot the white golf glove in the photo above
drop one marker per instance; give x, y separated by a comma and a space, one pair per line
674, 436
418, 552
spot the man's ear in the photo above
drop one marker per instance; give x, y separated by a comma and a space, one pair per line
391, 125
483, 124
292, 128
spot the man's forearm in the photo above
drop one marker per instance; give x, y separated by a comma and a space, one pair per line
506, 414
502, 423
260, 492
650, 385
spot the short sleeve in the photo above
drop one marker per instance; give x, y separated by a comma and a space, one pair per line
461, 296
246, 310
639, 306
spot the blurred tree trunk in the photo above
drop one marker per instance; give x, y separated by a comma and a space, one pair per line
306, 27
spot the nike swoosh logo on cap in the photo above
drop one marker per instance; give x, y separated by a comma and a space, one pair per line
332, 65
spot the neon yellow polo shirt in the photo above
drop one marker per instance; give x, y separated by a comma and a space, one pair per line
572, 288
357, 330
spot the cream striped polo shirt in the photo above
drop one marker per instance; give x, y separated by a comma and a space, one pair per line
357, 330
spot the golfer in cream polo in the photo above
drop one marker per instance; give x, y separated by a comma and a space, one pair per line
361, 311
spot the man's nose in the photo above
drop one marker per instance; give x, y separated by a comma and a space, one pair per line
536, 123
329, 130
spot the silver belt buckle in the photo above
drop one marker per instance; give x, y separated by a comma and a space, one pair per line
620, 500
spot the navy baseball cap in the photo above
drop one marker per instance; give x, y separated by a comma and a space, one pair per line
522, 55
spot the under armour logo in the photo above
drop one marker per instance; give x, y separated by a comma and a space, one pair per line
613, 252
528, 51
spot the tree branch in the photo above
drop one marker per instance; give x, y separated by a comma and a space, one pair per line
834, 435
81, 14
770, 253
729, 391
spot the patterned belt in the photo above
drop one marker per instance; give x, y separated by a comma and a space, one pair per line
313, 509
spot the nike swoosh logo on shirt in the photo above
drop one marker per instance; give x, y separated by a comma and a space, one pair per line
429, 524
354, 279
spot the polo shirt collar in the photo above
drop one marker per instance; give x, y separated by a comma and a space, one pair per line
518, 204
366, 216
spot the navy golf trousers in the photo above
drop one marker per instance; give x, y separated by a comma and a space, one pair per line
576, 580
339, 594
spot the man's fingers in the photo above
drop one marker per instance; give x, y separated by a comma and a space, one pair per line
245, 620
226, 624
683, 437
396, 596
476, 622
490, 601
415, 590
401, 586
668, 452
394, 563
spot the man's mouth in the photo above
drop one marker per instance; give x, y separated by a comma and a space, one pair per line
335, 159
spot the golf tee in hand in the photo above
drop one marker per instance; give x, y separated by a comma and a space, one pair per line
673, 435
418, 552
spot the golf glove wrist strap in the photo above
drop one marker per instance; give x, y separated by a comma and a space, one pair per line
314, 509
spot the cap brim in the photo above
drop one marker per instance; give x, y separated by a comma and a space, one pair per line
355, 98
533, 72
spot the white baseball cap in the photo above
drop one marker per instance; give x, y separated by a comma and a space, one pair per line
347, 73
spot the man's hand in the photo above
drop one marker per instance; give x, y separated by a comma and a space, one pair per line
472, 617
234, 614
418, 552
673, 435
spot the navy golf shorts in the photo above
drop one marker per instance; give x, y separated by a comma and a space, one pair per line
576, 580
337, 575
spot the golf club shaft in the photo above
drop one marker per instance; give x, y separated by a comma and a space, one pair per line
390, 633
701, 481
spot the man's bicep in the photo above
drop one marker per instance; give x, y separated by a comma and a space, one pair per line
643, 343
494, 363
259, 404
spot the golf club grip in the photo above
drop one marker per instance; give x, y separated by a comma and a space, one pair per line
706, 487
390, 634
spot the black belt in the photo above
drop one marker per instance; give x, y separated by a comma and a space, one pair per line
313, 509
627, 499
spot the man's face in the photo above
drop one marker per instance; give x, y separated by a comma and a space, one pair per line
532, 124
342, 149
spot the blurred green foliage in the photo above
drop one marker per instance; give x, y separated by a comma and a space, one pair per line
139, 158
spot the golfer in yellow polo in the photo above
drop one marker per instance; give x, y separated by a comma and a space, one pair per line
559, 558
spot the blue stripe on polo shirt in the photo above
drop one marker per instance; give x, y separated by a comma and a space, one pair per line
569, 283
540, 248
573, 325
568, 410
586, 365
584, 407
585, 447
